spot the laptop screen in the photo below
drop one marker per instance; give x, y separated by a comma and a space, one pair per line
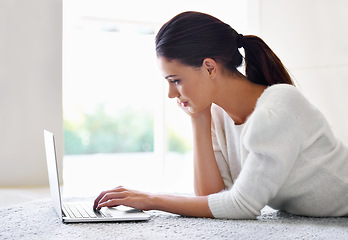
53, 171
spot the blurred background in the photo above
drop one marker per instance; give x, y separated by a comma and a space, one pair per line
116, 112
86, 70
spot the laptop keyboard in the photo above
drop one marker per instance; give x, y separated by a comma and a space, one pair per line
83, 210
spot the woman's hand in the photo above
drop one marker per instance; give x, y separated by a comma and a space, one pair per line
123, 196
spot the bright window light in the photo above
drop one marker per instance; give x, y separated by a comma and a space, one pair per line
119, 126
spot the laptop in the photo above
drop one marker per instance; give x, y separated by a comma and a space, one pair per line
78, 212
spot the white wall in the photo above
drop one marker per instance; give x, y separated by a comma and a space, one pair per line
311, 38
30, 88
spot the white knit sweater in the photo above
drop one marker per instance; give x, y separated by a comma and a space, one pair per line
284, 156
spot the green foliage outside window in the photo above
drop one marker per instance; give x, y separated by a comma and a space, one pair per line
130, 131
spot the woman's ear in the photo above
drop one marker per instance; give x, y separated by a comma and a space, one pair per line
210, 66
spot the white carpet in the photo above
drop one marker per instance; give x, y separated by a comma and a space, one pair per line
37, 220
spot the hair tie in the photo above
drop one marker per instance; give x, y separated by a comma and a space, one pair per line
240, 40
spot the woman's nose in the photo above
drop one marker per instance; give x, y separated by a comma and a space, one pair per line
173, 92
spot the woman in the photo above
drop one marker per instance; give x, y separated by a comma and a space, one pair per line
257, 140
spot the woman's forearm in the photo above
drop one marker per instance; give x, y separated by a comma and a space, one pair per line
182, 205
207, 177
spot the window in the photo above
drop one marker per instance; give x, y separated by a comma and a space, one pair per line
119, 126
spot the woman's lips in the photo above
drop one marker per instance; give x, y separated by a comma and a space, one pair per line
184, 104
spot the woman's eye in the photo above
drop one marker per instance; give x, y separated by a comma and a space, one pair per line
174, 81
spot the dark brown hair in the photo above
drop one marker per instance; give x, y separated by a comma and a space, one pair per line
190, 37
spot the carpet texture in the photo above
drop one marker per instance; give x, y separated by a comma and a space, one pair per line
37, 220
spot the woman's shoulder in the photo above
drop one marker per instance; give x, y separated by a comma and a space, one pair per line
279, 113
282, 91
282, 96
284, 103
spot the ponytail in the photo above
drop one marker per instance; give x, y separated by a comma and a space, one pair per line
262, 66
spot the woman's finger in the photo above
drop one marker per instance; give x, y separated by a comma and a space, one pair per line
96, 201
102, 194
112, 195
110, 203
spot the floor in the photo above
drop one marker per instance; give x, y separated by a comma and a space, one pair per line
11, 196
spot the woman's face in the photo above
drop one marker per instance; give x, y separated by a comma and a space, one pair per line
191, 86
